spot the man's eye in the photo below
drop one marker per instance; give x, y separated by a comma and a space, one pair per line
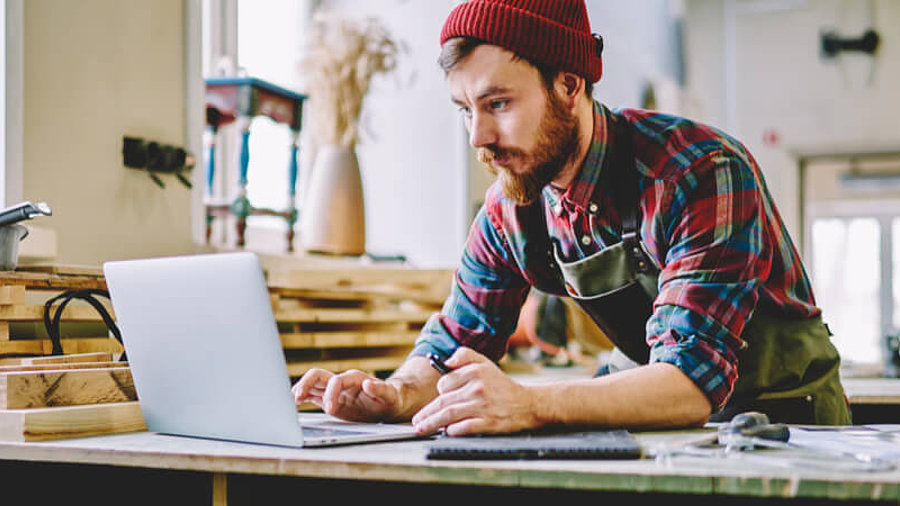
465, 111
499, 104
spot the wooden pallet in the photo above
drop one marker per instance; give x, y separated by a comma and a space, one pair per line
366, 318
44, 424
45, 398
22, 297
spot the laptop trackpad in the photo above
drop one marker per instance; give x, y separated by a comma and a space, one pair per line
319, 424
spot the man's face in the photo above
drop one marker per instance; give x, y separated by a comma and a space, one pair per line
523, 133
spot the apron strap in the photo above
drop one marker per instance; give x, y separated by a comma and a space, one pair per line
620, 171
624, 175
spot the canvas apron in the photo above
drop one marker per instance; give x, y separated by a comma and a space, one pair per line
788, 368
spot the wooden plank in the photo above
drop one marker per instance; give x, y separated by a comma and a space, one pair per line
12, 294
37, 389
361, 277
79, 345
377, 297
872, 390
33, 312
43, 424
432, 285
60, 366
65, 270
348, 339
45, 281
88, 345
351, 315
369, 364
59, 359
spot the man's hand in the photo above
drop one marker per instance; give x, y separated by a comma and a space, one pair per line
352, 395
477, 397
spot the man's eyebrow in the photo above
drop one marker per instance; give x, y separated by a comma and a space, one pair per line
491, 91
487, 92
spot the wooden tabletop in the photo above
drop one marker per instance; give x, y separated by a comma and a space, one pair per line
757, 473
872, 390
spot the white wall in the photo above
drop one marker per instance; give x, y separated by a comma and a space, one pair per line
95, 71
642, 46
421, 181
754, 68
413, 156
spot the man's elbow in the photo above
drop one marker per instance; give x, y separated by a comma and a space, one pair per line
698, 413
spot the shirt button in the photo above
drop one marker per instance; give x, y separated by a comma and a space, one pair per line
593, 207
586, 240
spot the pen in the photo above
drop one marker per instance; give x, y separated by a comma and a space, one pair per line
438, 363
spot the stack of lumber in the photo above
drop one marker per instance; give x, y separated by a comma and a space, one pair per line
358, 318
336, 319
83, 392
22, 297
363, 318
78, 395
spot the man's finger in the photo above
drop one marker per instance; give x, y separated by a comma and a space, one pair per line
442, 410
345, 385
312, 384
332, 395
467, 427
379, 391
464, 356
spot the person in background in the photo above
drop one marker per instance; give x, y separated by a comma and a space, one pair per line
661, 228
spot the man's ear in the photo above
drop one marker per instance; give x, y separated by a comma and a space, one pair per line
571, 85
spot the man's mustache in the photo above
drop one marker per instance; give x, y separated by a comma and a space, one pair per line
487, 154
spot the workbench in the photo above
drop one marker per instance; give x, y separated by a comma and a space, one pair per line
873, 400
138, 467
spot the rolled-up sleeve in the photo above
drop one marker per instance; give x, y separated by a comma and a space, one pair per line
487, 294
718, 257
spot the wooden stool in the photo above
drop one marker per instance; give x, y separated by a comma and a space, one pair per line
240, 100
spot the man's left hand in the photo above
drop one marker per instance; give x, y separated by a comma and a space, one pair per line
477, 397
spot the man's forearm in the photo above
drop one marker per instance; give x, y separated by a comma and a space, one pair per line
415, 381
652, 396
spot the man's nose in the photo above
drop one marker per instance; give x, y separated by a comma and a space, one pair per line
482, 131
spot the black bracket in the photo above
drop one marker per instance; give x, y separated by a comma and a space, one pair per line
156, 158
833, 44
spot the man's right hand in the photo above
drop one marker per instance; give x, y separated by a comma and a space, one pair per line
352, 395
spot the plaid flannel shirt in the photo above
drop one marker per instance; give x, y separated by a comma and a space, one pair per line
707, 218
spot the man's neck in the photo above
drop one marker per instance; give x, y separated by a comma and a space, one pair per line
585, 114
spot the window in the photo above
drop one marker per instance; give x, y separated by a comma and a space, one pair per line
847, 281
852, 231
260, 40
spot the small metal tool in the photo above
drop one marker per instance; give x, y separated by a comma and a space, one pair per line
747, 430
751, 430
23, 211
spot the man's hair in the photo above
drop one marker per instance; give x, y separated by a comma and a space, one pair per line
457, 49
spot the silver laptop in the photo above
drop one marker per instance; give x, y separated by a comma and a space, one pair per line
206, 356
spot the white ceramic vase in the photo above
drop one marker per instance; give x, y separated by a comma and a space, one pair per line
333, 218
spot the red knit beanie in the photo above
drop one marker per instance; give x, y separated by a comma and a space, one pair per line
555, 33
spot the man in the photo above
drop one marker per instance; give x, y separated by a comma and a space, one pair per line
660, 228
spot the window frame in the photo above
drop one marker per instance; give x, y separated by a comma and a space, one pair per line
883, 210
12, 134
218, 44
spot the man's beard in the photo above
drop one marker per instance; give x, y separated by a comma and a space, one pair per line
557, 144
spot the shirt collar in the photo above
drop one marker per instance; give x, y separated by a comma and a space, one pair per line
578, 195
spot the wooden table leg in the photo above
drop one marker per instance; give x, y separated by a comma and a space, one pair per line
220, 489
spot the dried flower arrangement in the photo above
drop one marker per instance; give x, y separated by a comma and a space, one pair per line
341, 58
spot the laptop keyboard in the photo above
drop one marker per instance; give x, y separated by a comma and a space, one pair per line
327, 432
